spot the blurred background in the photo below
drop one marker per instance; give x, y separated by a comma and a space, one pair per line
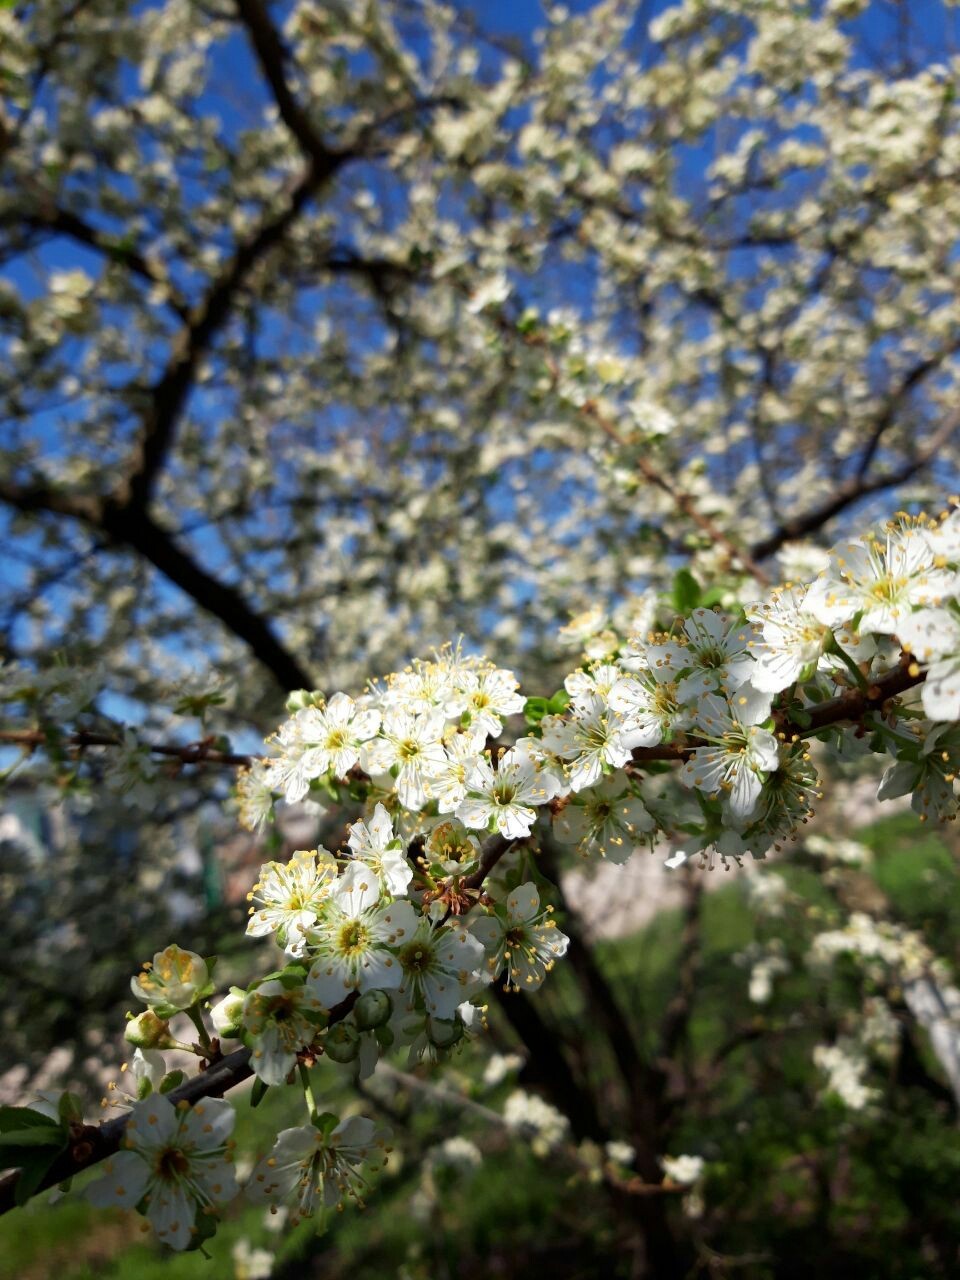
315, 318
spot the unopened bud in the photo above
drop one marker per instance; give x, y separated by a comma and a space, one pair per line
372, 1010
342, 1042
147, 1031
227, 1014
444, 1034
299, 699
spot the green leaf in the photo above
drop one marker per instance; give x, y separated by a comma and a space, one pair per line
559, 702
70, 1107
23, 1118
32, 1173
535, 709
50, 1136
686, 591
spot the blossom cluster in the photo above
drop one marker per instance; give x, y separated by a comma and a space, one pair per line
391, 941
730, 695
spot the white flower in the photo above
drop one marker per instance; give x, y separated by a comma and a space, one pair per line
845, 1065
374, 844
334, 734
928, 772
251, 1264
608, 818
944, 539
492, 292
288, 896
131, 771
793, 639
590, 740
413, 746
353, 941
683, 1169
488, 695
583, 626
715, 652
440, 967
177, 1160
882, 579
933, 637
292, 771
584, 686
529, 1114
307, 1164
499, 1066
526, 942
173, 980
454, 1153
739, 756
448, 786
652, 418
505, 800
280, 1017
649, 703
254, 796
429, 686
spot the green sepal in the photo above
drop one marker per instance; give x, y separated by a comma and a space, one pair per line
257, 1092
172, 1080
205, 1228
326, 1122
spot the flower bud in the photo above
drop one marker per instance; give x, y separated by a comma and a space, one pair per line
299, 699
174, 980
227, 1014
147, 1031
444, 1033
342, 1042
372, 1010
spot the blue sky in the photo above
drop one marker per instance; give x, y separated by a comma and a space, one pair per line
519, 18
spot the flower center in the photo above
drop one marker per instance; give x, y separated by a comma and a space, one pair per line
416, 958
354, 939
712, 658
408, 749
172, 1164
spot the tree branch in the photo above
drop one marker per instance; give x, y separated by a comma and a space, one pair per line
97, 1142
852, 491
133, 527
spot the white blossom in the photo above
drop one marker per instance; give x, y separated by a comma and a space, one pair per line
177, 1160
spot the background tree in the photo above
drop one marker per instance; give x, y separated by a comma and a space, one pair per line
334, 332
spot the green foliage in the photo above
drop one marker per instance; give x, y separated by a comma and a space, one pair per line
794, 1181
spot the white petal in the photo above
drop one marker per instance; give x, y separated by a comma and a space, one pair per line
126, 1175
172, 1214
